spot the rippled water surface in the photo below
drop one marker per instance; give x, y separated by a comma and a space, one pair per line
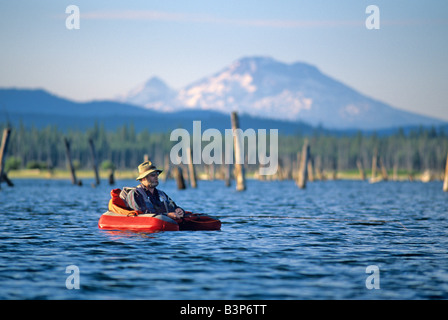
276, 242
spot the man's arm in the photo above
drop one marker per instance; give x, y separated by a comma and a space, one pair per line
174, 205
134, 201
174, 209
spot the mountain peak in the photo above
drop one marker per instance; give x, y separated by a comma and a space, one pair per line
269, 62
263, 86
155, 82
252, 62
150, 94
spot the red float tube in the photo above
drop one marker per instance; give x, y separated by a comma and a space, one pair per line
143, 222
119, 217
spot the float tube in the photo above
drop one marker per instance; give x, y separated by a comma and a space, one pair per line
119, 217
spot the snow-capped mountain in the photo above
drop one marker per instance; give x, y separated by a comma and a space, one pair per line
153, 94
264, 87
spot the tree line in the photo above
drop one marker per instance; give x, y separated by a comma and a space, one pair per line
43, 148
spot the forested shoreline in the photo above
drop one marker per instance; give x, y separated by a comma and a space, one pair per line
419, 150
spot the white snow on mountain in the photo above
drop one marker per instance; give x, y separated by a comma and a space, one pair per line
264, 87
153, 94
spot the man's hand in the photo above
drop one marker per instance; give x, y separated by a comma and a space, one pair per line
179, 211
177, 214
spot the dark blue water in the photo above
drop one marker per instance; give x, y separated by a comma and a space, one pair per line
276, 242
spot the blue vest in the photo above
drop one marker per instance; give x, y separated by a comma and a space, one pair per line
168, 204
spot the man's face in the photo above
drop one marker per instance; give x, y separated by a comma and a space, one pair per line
151, 180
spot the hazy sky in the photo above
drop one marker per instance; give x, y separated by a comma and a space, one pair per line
120, 44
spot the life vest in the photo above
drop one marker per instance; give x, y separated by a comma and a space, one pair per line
149, 205
168, 204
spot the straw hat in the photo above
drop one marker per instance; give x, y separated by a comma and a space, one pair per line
146, 168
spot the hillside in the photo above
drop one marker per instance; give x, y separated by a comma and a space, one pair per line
40, 108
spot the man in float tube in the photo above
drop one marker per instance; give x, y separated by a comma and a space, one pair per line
147, 198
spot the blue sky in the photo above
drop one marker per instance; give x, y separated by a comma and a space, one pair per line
121, 44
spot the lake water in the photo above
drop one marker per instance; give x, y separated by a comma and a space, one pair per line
276, 242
